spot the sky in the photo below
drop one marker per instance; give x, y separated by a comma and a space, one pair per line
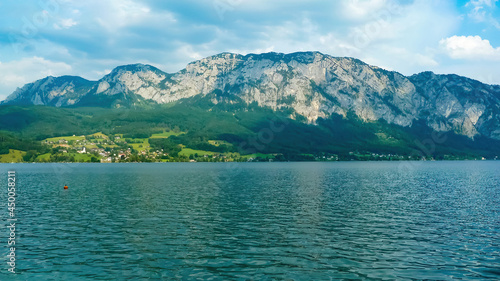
89, 38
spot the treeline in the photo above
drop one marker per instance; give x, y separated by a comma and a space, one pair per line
8, 141
167, 145
236, 125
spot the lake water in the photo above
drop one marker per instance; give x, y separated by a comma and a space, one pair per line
255, 221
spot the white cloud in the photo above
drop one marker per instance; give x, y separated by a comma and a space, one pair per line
385, 34
395, 34
15, 74
402, 37
127, 13
363, 10
65, 24
424, 60
469, 47
103, 73
481, 11
489, 3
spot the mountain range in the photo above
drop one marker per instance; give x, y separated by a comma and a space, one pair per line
307, 87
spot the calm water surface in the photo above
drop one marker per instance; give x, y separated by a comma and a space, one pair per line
255, 221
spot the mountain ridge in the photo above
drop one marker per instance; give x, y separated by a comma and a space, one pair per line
311, 84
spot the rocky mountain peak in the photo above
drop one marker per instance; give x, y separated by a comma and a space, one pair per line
53, 91
311, 84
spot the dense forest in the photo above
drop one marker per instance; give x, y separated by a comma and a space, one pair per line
243, 130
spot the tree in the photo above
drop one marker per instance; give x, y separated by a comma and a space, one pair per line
30, 156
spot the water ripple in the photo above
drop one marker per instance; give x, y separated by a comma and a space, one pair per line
267, 221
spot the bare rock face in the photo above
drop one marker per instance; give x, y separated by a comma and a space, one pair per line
53, 91
312, 84
454, 103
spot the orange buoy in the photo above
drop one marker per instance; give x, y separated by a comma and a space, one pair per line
65, 187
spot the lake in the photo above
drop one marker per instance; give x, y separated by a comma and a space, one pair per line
254, 221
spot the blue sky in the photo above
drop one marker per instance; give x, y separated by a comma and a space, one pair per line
89, 38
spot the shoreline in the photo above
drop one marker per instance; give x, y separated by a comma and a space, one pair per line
232, 162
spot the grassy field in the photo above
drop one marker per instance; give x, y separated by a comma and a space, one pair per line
386, 139
143, 146
165, 134
109, 145
90, 146
218, 142
43, 158
255, 155
68, 138
81, 157
78, 157
99, 136
189, 151
231, 155
14, 156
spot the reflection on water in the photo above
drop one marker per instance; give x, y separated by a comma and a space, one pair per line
219, 221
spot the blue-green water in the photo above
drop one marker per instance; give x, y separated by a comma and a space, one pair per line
255, 221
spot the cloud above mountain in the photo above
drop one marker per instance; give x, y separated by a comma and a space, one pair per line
89, 38
470, 47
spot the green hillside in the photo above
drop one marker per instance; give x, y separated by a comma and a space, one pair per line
188, 130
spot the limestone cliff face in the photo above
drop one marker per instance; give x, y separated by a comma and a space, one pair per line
53, 91
454, 103
314, 85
